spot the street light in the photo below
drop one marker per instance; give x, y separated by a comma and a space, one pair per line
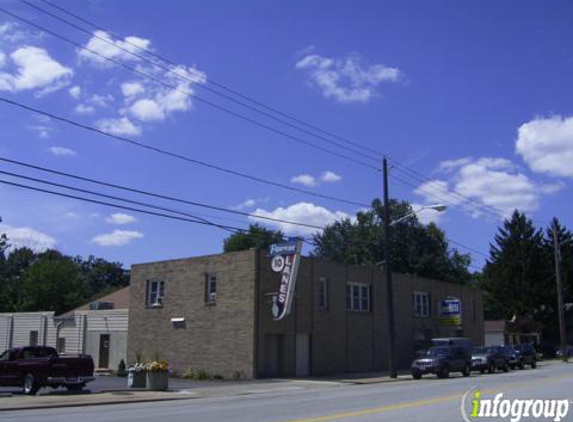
436, 207
389, 288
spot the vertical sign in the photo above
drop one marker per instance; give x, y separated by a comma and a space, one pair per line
285, 259
450, 312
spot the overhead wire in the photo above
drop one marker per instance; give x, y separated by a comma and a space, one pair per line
152, 194
179, 156
193, 95
196, 83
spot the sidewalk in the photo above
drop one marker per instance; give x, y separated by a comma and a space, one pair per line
63, 399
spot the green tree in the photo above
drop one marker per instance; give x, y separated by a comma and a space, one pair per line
416, 248
100, 277
256, 237
51, 283
516, 275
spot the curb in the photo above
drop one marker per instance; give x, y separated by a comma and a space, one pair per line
102, 403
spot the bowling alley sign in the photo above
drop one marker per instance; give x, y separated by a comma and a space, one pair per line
285, 260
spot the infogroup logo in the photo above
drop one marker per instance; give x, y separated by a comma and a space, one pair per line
513, 409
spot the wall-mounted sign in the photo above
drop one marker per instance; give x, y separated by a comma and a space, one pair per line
285, 259
450, 312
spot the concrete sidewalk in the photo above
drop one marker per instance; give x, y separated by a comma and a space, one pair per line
63, 399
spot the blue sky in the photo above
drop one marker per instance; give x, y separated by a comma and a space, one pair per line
476, 97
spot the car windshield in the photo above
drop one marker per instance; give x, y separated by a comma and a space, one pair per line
480, 350
4, 356
438, 351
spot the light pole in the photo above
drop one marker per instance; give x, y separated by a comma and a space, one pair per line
562, 329
387, 257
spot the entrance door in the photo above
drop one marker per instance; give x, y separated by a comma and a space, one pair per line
103, 351
274, 355
302, 355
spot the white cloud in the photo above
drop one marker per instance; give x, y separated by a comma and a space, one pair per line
20, 237
147, 110
75, 92
129, 89
302, 212
117, 238
120, 126
330, 177
304, 179
35, 69
62, 152
546, 145
84, 109
111, 48
101, 100
120, 218
43, 130
2, 59
491, 182
72, 215
348, 79
247, 203
448, 166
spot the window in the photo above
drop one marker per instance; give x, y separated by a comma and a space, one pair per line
33, 338
421, 304
5, 355
155, 292
210, 288
61, 345
358, 297
323, 293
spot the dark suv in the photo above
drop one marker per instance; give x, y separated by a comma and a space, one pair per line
526, 355
489, 359
443, 360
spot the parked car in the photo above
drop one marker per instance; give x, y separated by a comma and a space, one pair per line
526, 355
568, 352
442, 361
511, 356
489, 359
34, 367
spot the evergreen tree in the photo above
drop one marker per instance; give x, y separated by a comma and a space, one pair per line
516, 275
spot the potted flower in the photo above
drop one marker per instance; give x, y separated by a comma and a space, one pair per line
136, 376
157, 375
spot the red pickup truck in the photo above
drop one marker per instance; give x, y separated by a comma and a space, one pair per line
34, 367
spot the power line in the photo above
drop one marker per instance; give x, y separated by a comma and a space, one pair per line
187, 93
212, 81
201, 86
124, 207
413, 174
405, 168
179, 156
147, 193
463, 206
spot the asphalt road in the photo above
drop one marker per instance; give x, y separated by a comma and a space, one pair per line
426, 400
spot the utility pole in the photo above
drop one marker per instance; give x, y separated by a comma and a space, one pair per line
389, 287
562, 332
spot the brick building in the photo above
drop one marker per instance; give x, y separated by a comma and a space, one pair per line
213, 313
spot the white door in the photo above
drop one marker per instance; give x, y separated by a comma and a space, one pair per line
302, 355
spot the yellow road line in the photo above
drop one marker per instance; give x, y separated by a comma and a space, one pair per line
419, 403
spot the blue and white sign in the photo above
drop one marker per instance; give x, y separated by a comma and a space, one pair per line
285, 259
450, 312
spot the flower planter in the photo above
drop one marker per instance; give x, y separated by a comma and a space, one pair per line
136, 379
157, 380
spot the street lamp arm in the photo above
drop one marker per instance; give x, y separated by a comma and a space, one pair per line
437, 207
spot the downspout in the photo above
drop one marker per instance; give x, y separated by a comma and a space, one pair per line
256, 314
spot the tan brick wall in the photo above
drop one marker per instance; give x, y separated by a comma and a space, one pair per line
217, 338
